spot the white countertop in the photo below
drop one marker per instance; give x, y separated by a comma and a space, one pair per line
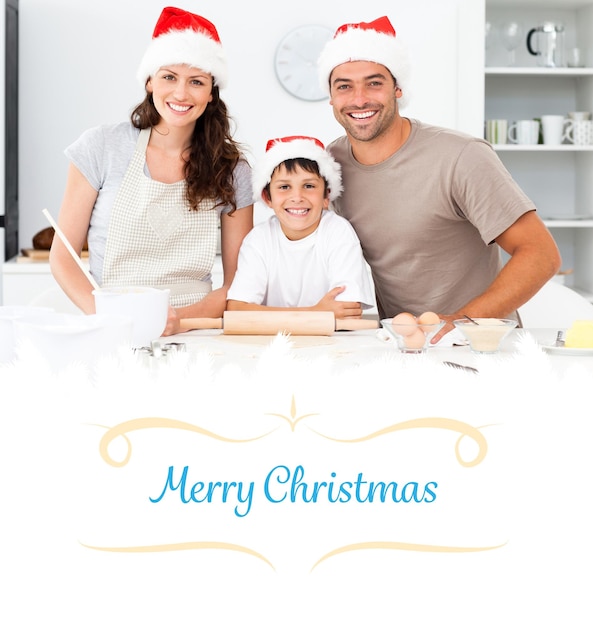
351, 349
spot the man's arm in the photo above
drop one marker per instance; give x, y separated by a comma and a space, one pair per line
534, 260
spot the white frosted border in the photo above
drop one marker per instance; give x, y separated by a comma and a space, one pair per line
539, 430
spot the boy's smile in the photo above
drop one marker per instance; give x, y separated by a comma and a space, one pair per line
297, 211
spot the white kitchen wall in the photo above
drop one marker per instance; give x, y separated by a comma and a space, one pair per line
78, 61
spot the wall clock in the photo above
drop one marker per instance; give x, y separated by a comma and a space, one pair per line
295, 61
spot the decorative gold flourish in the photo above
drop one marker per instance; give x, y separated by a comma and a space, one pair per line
433, 422
175, 547
398, 545
293, 420
121, 430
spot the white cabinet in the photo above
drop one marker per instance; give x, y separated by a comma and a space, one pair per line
559, 179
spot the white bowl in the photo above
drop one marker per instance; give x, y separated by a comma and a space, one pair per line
8, 316
64, 338
146, 307
486, 335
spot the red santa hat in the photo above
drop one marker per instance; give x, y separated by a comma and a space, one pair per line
181, 37
296, 147
373, 41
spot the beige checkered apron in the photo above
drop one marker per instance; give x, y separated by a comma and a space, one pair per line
154, 239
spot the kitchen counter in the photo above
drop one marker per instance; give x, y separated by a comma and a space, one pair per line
352, 349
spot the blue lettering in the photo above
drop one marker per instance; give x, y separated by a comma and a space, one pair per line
208, 492
345, 494
298, 484
429, 494
169, 485
281, 475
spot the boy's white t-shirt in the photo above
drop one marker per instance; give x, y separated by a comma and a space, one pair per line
276, 272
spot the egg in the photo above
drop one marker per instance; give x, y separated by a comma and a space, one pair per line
430, 319
415, 340
406, 324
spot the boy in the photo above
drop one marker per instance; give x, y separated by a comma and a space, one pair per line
305, 257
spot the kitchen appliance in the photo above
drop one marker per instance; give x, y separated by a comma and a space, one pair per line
546, 42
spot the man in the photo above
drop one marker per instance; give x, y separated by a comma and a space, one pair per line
428, 204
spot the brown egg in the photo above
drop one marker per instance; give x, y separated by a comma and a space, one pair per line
405, 323
415, 340
429, 318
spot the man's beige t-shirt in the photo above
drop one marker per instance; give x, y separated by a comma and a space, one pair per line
427, 216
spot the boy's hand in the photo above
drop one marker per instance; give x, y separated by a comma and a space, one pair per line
340, 309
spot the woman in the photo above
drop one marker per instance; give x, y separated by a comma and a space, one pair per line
150, 194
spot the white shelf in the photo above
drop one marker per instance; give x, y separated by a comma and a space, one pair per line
568, 147
568, 223
538, 71
539, 4
558, 178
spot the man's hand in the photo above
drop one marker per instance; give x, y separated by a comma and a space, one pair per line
448, 327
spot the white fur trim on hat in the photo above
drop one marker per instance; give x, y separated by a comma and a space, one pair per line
356, 44
300, 148
184, 47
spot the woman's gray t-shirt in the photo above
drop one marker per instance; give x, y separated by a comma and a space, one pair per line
102, 155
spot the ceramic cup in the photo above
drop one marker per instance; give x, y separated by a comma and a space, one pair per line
580, 132
524, 132
575, 58
579, 115
496, 131
555, 128
145, 306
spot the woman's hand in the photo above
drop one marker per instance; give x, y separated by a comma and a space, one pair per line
172, 327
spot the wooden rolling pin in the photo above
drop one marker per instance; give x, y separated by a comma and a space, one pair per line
273, 322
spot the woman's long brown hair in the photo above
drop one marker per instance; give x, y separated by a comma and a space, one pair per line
213, 152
